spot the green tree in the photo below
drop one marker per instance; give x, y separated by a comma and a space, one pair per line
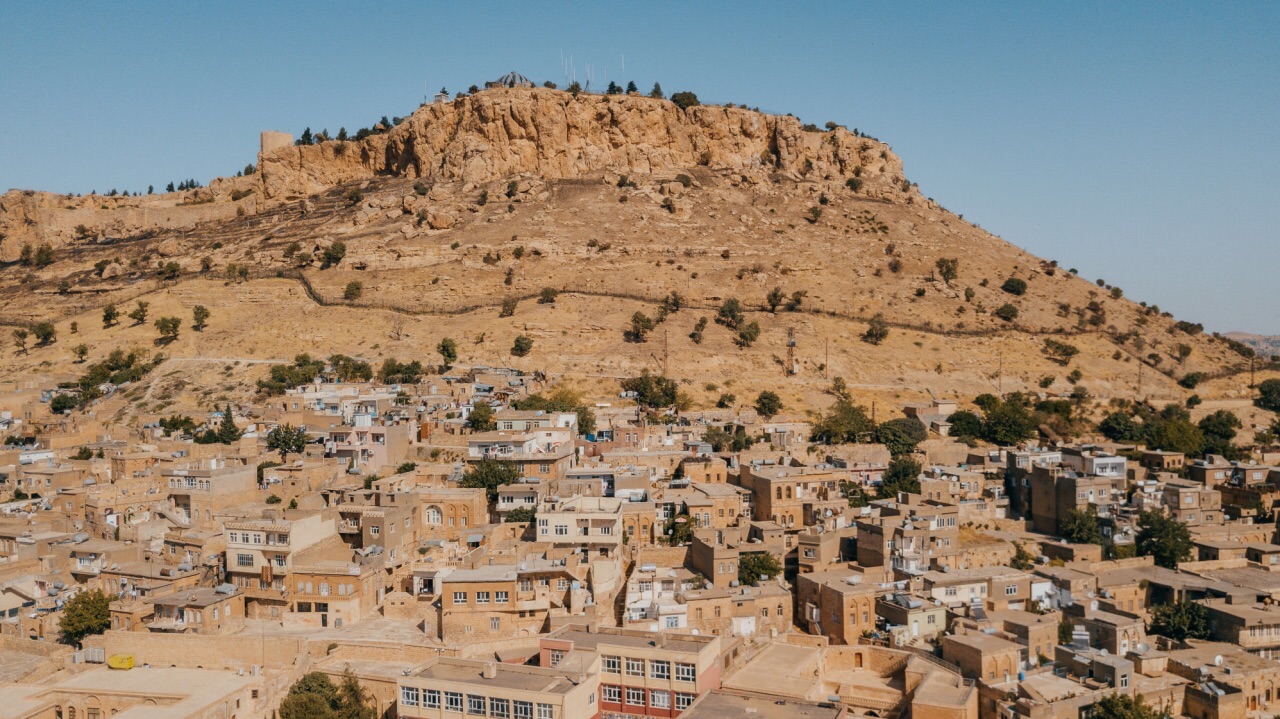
631, 87
20, 339
641, 326
656, 92
748, 333
227, 431
877, 330
490, 474
1122, 706
480, 419
948, 268
522, 346
286, 439
730, 313
1080, 526
520, 514
1008, 422
45, 333
900, 436
902, 475
1164, 538
965, 425
448, 350
86, 613
1174, 435
110, 316
354, 701
1015, 286
1006, 312
651, 390
139, 313
1120, 427
1180, 620
774, 299
678, 531
199, 317
844, 423
1065, 629
81, 351
684, 100
333, 254
1269, 395
768, 404
353, 290
755, 566
1219, 429
62, 403
168, 328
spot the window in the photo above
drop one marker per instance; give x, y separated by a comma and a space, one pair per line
612, 694
545, 710
555, 657
501, 597
659, 670
522, 710
635, 667
431, 698
1011, 589
686, 672
810, 553
495, 623
562, 584
279, 560
409, 696
562, 530
673, 622
453, 702
1124, 681
684, 700
635, 697
482, 597
606, 529
459, 597
244, 560
612, 665
659, 699
499, 708
374, 530
475, 705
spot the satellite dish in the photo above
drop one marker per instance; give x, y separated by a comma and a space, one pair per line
1217, 660
1143, 647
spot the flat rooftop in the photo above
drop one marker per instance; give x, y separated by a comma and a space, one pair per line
508, 676
734, 705
591, 641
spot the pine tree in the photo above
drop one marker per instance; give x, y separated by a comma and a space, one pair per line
656, 91
228, 432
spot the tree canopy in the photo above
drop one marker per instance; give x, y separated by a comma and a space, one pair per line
1164, 538
754, 566
1180, 620
490, 474
84, 614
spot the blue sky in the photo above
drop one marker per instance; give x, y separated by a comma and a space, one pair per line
1137, 142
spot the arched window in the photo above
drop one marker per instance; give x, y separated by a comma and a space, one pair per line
788, 493
434, 516
697, 613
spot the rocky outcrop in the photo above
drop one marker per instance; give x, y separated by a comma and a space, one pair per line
551, 134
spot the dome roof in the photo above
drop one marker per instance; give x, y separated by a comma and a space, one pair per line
513, 79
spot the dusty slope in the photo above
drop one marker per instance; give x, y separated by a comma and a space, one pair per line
549, 165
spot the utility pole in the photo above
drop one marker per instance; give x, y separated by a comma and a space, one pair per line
826, 357
666, 368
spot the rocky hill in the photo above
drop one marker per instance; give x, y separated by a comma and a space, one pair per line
616, 202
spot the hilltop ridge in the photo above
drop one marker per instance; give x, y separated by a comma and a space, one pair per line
616, 202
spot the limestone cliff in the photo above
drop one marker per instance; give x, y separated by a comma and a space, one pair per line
553, 134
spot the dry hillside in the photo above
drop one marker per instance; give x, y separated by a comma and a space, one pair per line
616, 201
